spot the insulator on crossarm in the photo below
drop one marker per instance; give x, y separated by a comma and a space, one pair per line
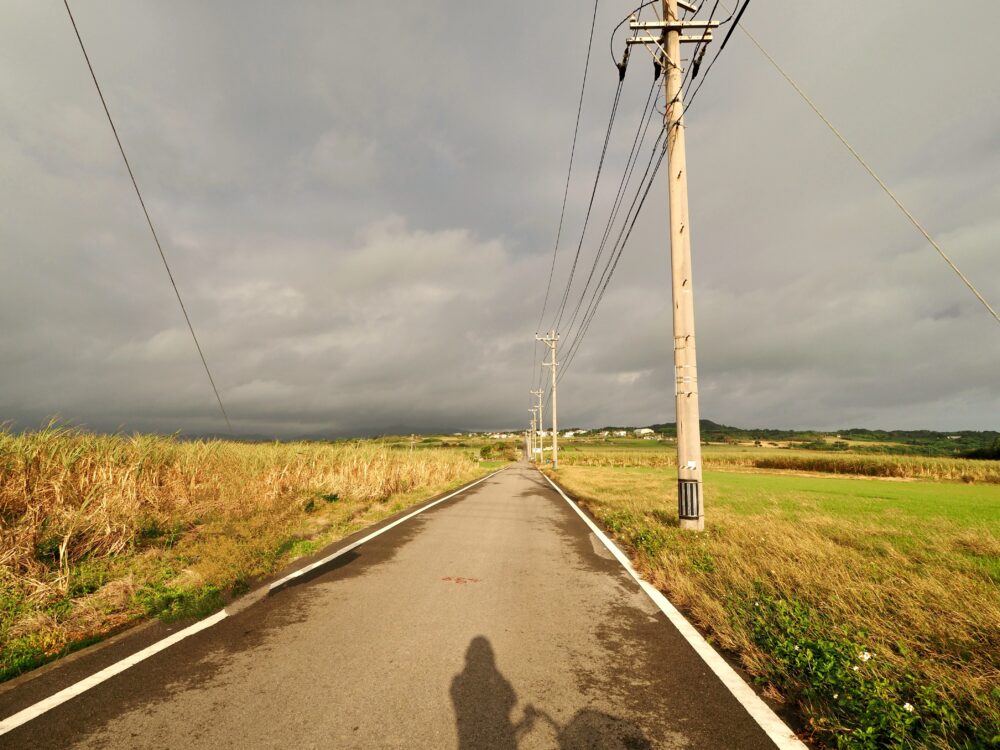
696, 65
623, 64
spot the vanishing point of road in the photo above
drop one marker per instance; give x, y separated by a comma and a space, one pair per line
495, 619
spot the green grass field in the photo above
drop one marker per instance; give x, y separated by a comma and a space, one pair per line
624, 452
870, 606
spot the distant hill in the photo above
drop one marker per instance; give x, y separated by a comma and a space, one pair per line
970, 443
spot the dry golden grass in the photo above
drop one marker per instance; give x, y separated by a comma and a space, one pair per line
800, 584
98, 530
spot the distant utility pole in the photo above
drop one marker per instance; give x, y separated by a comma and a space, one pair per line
541, 424
534, 434
551, 341
690, 504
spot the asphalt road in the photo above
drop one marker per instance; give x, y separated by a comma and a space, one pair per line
494, 620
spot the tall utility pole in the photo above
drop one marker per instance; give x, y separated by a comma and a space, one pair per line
551, 341
690, 505
541, 424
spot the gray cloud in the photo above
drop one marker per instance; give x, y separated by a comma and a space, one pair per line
360, 201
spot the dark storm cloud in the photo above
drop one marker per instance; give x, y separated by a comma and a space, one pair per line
360, 201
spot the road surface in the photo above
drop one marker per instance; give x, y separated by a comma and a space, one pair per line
493, 620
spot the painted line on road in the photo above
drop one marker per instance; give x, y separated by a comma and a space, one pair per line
329, 558
31, 712
37, 709
770, 722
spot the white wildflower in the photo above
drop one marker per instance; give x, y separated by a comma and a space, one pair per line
908, 707
865, 656
855, 667
836, 695
796, 648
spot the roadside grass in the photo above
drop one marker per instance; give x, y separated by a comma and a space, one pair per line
871, 607
663, 455
99, 531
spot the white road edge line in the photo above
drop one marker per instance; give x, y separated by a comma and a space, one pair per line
31, 712
349, 547
773, 726
37, 709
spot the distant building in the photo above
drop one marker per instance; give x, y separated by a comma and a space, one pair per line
605, 433
621, 433
643, 431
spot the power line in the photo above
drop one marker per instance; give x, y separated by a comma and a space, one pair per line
692, 70
566, 292
624, 234
736, 23
149, 221
616, 254
562, 211
619, 247
590, 205
738, 13
569, 172
860, 159
612, 264
633, 158
622, 23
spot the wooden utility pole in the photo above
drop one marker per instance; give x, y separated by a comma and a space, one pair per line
690, 505
541, 424
551, 341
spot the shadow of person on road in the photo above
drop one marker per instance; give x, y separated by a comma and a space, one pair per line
483, 700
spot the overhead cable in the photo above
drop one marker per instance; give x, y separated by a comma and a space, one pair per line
149, 221
569, 172
590, 205
868, 168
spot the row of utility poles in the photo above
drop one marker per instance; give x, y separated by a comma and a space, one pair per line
535, 444
666, 49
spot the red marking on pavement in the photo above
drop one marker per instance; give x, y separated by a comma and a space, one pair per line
460, 579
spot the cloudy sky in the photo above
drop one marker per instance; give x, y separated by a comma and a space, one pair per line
360, 203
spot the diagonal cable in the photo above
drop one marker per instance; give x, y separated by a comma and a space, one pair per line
867, 167
590, 205
149, 221
569, 172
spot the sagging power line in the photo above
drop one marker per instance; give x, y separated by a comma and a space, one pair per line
625, 231
871, 171
149, 221
569, 174
665, 49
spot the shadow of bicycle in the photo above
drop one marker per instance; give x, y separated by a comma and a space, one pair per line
484, 701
